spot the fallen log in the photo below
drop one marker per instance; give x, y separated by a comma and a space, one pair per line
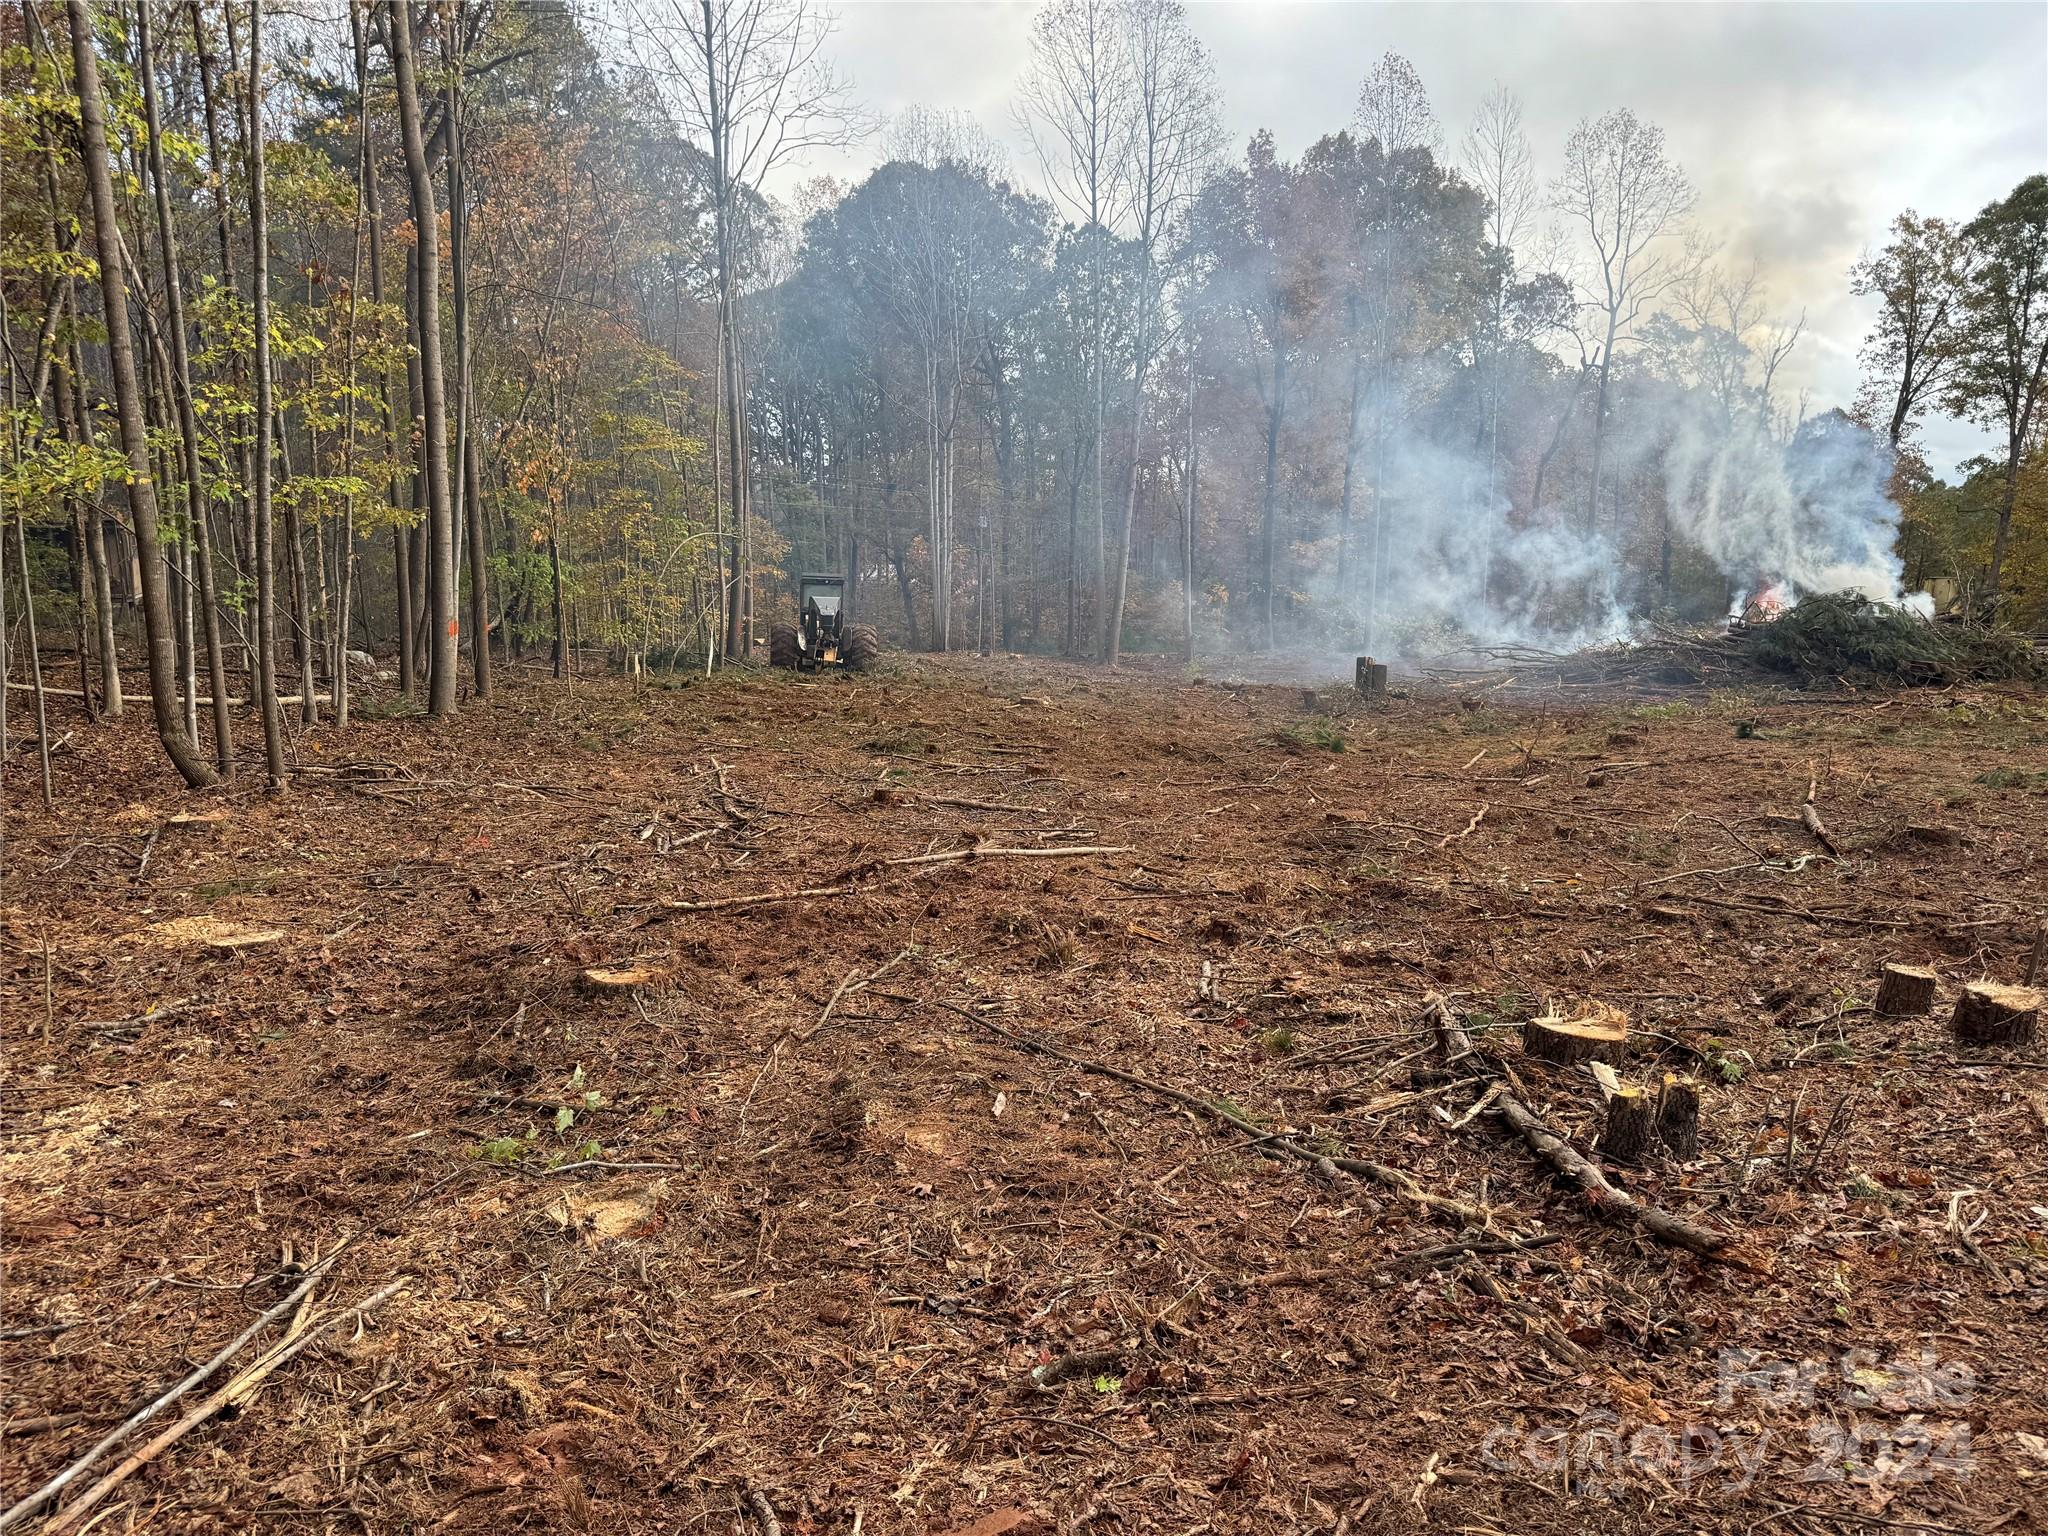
1608, 1200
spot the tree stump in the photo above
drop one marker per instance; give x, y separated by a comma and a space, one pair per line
1903, 990
1990, 1014
1372, 678
1678, 1116
1599, 1033
1631, 1125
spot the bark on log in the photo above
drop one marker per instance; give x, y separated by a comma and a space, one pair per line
1607, 1200
1678, 1116
1905, 990
1598, 1033
1631, 1125
1990, 1014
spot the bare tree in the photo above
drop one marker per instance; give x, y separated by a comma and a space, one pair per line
1918, 280
748, 78
156, 608
1174, 134
1075, 105
1394, 113
1497, 158
1629, 200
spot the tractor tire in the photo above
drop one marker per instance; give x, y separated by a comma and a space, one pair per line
861, 648
782, 646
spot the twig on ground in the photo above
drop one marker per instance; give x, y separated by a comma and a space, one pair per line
763, 1511
929, 861
854, 982
1267, 1143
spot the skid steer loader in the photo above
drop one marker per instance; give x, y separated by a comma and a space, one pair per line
821, 637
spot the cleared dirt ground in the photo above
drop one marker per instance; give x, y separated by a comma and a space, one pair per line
818, 1234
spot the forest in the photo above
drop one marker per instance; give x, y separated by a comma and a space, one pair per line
1106, 825
1396, 394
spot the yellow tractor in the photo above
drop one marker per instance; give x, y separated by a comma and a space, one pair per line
821, 637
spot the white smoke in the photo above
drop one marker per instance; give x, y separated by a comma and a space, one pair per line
1806, 515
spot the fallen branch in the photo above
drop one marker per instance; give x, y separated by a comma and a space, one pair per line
1608, 1199
240, 1388
855, 982
1470, 827
918, 864
1811, 817
30, 1503
1267, 1143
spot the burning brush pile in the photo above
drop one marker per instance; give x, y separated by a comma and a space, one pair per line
1819, 641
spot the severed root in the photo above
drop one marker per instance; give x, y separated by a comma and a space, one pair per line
1904, 990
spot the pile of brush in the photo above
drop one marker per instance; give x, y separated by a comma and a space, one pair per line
1821, 641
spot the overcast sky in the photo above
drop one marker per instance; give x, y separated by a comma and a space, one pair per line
1806, 127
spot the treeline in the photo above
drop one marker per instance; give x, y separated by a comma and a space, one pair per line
468, 335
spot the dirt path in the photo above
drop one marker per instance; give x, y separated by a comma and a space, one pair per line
823, 1223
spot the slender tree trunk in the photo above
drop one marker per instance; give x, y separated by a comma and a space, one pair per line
1112, 648
1187, 580
1268, 514
208, 601
1600, 428
471, 497
128, 400
243, 555
446, 628
266, 421
1346, 496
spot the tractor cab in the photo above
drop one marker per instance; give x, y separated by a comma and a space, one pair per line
821, 637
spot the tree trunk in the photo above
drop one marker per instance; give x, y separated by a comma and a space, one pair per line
471, 497
446, 629
259, 290
1268, 512
99, 178
244, 552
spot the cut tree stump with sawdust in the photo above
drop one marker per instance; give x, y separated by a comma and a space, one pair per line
1905, 990
1678, 1116
623, 978
1990, 1014
1598, 1032
1631, 1125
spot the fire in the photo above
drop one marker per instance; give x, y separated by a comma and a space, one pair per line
1760, 607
